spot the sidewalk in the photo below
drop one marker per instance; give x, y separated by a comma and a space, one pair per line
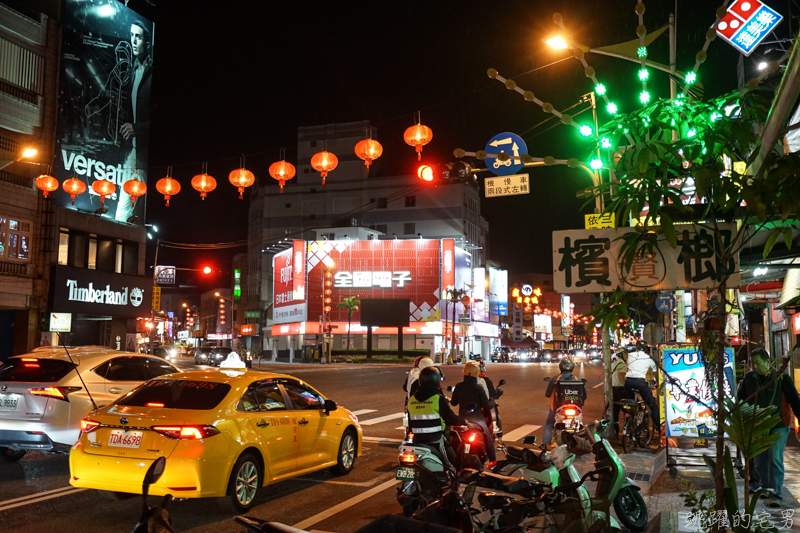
661, 491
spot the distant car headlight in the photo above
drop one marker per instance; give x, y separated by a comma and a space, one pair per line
173, 353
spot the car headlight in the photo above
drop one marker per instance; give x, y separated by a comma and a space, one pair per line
173, 353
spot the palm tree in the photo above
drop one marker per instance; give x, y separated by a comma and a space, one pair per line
351, 304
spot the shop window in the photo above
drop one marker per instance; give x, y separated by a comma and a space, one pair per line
76, 255
63, 247
130, 259
118, 259
382, 203
411, 201
106, 255
92, 261
409, 228
383, 228
15, 239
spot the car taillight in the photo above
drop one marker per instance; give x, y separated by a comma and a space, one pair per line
570, 412
186, 432
59, 393
87, 425
408, 458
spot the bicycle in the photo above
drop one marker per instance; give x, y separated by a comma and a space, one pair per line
638, 428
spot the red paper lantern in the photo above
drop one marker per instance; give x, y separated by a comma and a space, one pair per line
168, 187
47, 184
103, 188
135, 189
418, 136
241, 178
74, 187
204, 183
281, 171
324, 162
369, 150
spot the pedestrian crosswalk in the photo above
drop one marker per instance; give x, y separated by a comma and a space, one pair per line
511, 434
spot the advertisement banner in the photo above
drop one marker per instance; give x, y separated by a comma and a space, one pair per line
285, 308
684, 416
498, 292
388, 269
480, 307
165, 275
79, 290
448, 265
61, 322
104, 108
543, 324
299, 271
516, 329
589, 261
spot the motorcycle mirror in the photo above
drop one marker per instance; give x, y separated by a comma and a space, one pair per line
529, 440
502, 382
547, 379
584, 380
450, 388
154, 473
330, 405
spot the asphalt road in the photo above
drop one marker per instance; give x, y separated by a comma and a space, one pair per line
35, 495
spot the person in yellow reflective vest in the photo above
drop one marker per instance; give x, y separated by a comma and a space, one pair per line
430, 416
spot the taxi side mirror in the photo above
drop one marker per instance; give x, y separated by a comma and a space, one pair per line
330, 405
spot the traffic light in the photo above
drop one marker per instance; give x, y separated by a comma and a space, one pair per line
439, 172
207, 270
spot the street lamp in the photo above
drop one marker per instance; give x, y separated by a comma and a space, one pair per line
27, 153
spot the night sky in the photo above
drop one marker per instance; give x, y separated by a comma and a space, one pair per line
240, 77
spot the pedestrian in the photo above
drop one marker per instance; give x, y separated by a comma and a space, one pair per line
618, 370
636, 380
768, 466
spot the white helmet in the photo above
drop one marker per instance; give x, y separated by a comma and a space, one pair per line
425, 362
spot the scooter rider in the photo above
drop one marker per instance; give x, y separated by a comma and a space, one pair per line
430, 416
468, 394
492, 392
639, 363
410, 385
565, 367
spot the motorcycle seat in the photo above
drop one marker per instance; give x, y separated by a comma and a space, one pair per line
511, 485
490, 500
524, 454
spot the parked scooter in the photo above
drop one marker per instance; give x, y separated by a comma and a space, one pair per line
154, 519
497, 424
568, 407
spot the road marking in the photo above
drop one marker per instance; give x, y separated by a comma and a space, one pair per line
36, 498
380, 419
401, 427
382, 439
598, 385
363, 411
519, 433
345, 505
352, 483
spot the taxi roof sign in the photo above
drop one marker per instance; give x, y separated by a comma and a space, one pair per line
747, 23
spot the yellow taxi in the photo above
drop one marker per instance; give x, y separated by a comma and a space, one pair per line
224, 434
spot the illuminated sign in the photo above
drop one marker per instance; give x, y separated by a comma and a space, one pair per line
599, 220
237, 284
527, 290
249, 329
165, 275
61, 322
746, 24
796, 323
383, 279
218, 336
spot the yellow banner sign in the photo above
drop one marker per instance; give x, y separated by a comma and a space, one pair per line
600, 220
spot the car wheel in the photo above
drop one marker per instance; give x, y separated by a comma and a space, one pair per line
243, 486
11, 456
115, 496
346, 457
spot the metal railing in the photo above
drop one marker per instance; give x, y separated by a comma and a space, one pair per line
15, 179
14, 269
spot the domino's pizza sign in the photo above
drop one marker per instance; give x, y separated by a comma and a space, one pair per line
747, 23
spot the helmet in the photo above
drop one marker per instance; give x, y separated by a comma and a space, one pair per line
566, 365
430, 377
472, 369
621, 352
424, 362
630, 348
642, 346
417, 360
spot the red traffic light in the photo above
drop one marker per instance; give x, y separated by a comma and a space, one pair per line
425, 173
207, 270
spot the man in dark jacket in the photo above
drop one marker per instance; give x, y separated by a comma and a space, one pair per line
565, 366
429, 414
768, 466
473, 403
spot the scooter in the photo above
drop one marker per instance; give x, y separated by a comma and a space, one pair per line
569, 410
497, 424
154, 519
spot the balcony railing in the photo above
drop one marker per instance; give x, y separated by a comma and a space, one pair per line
22, 181
14, 269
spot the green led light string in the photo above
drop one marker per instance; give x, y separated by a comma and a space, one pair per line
643, 74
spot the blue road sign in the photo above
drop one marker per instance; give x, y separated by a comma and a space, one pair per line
510, 143
665, 302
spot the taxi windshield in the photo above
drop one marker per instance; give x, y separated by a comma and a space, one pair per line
177, 394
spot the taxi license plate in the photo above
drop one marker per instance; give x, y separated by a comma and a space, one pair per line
405, 473
125, 439
9, 402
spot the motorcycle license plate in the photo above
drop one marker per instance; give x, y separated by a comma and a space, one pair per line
406, 474
568, 423
125, 439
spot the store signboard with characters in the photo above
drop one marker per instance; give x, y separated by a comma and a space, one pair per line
685, 416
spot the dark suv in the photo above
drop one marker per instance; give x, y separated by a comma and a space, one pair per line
202, 356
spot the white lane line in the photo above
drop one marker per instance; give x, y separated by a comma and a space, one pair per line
380, 419
363, 411
598, 385
37, 495
345, 505
351, 483
382, 439
37, 500
519, 433
401, 427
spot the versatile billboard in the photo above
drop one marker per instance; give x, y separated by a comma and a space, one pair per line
104, 108
388, 269
498, 292
289, 285
589, 261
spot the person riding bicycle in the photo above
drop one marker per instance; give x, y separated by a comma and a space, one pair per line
639, 364
566, 366
410, 385
474, 404
430, 416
